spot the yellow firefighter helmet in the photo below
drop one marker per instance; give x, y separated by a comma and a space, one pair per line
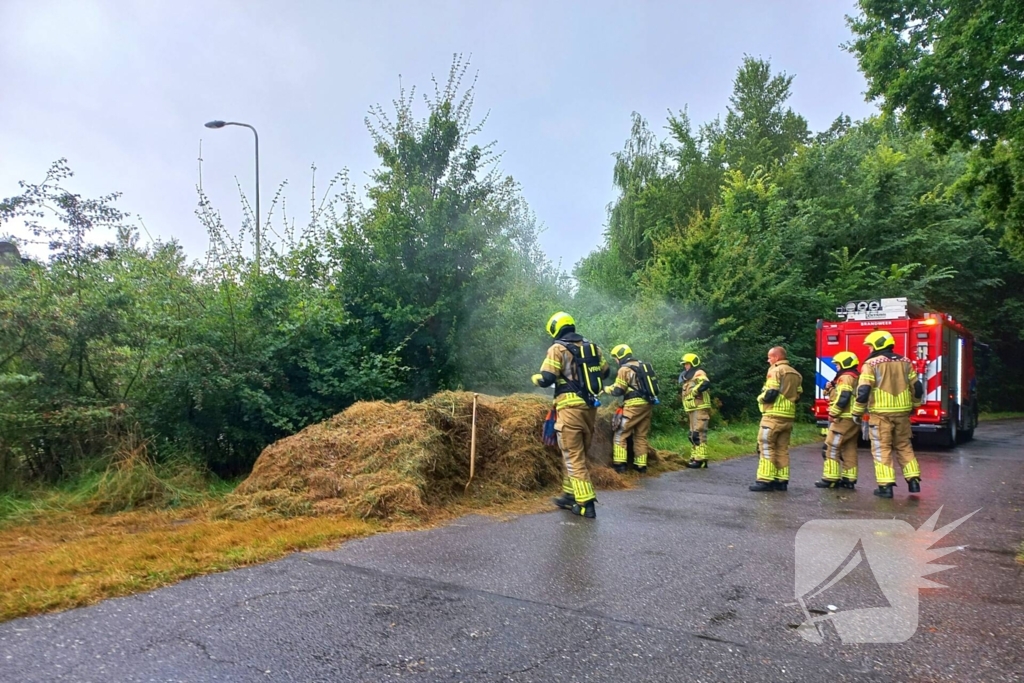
558, 321
621, 351
691, 358
879, 339
846, 360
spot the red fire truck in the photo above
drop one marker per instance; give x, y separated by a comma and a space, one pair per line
940, 346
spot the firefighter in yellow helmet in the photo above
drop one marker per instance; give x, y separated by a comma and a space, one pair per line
576, 369
697, 404
889, 390
840, 448
777, 402
638, 385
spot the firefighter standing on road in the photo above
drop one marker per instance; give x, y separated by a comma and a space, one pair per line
841, 437
576, 369
777, 401
889, 391
697, 404
636, 383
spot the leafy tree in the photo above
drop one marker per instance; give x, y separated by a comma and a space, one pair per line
638, 168
760, 131
955, 67
438, 211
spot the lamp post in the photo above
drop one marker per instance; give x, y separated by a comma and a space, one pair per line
221, 124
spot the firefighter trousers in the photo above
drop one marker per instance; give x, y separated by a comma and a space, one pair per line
574, 428
636, 423
890, 434
699, 433
773, 448
841, 450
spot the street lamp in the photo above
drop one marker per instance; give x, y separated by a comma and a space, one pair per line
221, 124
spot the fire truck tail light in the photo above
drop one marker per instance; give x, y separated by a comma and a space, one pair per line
929, 321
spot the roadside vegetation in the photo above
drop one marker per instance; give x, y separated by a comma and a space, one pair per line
145, 527
1001, 415
137, 386
731, 441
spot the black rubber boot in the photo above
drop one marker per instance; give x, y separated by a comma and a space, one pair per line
762, 486
849, 484
826, 484
565, 501
914, 485
697, 464
642, 469
586, 510
619, 467
782, 485
884, 491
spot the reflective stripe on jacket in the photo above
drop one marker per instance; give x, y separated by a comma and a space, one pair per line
888, 381
784, 379
692, 400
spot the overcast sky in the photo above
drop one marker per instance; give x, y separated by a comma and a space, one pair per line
122, 89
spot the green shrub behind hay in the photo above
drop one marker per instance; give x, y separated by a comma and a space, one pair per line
132, 479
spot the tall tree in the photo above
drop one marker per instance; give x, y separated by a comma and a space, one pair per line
638, 167
438, 211
760, 131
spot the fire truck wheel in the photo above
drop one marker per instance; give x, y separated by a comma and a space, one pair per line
968, 434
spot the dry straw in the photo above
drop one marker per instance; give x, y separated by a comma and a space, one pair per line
381, 460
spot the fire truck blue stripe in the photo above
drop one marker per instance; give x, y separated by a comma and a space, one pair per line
825, 372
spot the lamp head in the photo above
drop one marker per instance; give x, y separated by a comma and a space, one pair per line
215, 124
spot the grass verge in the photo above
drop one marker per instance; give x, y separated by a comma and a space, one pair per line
1007, 415
64, 560
63, 547
731, 441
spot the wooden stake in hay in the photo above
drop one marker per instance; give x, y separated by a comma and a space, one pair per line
472, 445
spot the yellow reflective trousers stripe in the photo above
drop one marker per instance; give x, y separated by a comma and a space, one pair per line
830, 471
583, 490
884, 474
912, 469
699, 452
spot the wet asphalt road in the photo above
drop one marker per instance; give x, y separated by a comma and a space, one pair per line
690, 578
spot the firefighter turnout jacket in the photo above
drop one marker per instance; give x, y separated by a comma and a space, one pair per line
781, 391
840, 395
888, 385
696, 394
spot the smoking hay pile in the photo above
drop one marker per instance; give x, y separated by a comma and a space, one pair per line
380, 459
